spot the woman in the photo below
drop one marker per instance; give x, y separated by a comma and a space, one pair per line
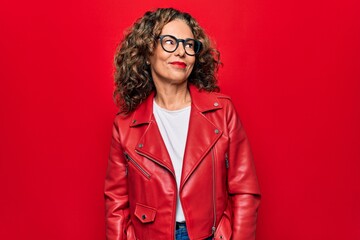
180, 165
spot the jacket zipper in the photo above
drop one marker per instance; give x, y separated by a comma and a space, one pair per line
214, 188
226, 160
152, 159
142, 170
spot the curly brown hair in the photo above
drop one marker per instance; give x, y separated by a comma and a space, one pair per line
133, 81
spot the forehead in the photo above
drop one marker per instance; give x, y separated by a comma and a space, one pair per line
177, 28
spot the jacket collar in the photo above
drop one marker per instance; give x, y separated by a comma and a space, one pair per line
203, 101
143, 114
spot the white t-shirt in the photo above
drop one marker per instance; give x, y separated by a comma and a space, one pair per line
173, 126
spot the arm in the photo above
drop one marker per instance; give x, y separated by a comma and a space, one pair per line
116, 192
242, 181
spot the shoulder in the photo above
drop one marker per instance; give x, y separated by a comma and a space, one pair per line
122, 119
226, 104
224, 100
220, 95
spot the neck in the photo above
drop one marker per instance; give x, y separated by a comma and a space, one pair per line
173, 97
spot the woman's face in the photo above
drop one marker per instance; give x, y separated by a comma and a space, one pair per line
172, 68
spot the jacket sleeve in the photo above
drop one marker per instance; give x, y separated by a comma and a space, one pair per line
116, 192
242, 181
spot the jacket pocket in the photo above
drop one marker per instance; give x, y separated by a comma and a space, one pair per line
224, 229
144, 213
137, 166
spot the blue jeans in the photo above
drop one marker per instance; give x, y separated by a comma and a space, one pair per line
182, 234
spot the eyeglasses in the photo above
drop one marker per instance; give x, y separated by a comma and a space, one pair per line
170, 43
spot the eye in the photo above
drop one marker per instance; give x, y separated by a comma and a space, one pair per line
190, 44
169, 41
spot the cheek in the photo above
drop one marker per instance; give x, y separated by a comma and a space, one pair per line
161, 54
191, 66
159, 58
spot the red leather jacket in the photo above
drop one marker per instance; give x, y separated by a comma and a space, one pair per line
219, 191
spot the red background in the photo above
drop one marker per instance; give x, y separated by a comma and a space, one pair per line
291, 67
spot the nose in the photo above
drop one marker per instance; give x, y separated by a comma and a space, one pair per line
180, 51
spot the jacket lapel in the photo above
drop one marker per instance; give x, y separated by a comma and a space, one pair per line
202, 133
151, 144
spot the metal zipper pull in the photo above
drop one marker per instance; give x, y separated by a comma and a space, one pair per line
127, 164
226, 160
127, 156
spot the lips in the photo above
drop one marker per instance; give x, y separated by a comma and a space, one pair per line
179, 64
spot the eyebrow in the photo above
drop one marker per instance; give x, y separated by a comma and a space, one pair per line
192, 37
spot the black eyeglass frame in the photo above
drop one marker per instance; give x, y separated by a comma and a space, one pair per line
178, 40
